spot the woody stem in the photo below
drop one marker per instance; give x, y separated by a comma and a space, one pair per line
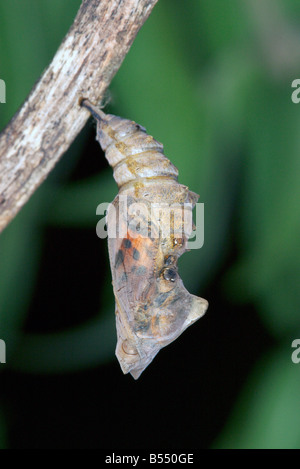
50, 119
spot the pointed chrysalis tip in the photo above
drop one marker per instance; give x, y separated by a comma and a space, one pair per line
94, 110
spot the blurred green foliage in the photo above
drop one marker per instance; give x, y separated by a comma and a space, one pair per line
209, 81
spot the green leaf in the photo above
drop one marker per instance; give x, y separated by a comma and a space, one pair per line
75, 204
20, 247
31, 32
269, 229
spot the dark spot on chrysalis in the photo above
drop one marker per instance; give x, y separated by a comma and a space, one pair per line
136, 254
170, 275
126, 243
142, 326
124, 277
119, 258
170, 260
140, 127
161, 299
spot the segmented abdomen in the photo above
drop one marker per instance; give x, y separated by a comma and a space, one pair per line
132, 153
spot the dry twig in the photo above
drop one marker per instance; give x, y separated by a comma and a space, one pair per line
48, 122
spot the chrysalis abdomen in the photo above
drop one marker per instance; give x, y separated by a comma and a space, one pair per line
132, 153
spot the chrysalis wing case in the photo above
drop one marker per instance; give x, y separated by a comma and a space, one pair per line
146, 235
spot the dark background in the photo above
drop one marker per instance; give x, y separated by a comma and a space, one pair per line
212, 81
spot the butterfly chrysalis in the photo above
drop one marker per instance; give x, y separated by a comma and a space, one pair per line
152, 305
